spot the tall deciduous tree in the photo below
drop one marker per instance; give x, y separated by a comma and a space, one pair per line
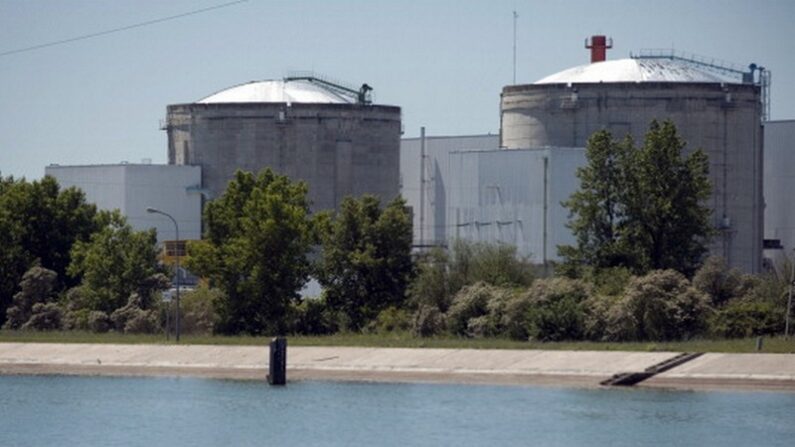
39, 221
258, 236
366, 262
116, 262
641, 208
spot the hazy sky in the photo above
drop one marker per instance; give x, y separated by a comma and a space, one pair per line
444, 62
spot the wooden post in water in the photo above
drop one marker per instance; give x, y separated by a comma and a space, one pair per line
277, 366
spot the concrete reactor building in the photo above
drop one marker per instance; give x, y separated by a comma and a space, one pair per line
716, 107
305, 127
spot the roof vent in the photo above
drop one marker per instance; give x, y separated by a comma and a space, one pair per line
598, 46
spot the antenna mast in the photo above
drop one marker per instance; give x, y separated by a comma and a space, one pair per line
515, 16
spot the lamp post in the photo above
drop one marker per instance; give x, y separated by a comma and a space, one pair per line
176, 252
789, 299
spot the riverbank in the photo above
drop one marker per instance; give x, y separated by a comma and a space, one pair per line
397, 339
489, 366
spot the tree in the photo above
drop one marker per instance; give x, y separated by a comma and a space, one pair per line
366, 263
39, 222
640, 208
257, 240
115, 264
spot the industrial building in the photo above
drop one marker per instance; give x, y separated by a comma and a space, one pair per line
305, 127
132, 188
779, 185
514, 197
424, 173
716, 107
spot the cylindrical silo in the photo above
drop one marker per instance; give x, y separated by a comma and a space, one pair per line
711, 112
305, 128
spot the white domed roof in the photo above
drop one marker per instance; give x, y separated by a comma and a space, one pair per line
298, 91
633, 70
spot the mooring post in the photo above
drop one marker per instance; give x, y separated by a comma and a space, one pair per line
277, 366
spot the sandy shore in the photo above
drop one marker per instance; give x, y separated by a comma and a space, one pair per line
774, 372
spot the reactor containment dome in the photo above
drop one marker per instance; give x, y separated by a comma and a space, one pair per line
309, 128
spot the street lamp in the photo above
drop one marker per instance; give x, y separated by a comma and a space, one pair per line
176, 252
789, 299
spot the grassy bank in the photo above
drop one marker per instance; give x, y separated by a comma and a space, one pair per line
404, 340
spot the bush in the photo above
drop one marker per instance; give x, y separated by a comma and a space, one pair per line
391, 319
496, 264
197, 310
556, 309
597, 316
313, 317
98, 321
36, 287
76, 320
141, 321
719, 282
44, 317
472, 303
660, 306
515, 316
431, 286
427, 321
747, 318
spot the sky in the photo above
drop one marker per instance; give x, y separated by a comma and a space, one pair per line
100, 100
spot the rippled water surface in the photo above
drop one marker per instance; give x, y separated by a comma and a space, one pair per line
101, 411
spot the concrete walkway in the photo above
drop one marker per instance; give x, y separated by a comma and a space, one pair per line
562, 368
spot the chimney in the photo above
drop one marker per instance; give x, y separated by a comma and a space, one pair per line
598, 46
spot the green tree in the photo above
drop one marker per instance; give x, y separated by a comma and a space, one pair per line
39, 222
366, 262
640, 208
258, 236
115, 263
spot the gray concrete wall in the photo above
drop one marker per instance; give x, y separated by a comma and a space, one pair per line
435, 224
514, 197
722, 119
779, 169
131, 188
338, 149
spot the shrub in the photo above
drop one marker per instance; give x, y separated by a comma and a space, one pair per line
313, 317
76, 319
556, 310
746, 318
391, 319
98, 321
141, 321
597, 316
497, 264
44, 317
476, 301
197, 310
427, 321
469, 302
36, 287
719, 282
515, 316
660, 306
431, 286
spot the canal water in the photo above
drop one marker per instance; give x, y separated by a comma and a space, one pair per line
104, 411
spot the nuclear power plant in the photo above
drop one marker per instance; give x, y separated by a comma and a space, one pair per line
505, 187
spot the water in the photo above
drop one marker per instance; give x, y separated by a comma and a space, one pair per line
102, 411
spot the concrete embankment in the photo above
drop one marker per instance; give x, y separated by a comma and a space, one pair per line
557, 368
